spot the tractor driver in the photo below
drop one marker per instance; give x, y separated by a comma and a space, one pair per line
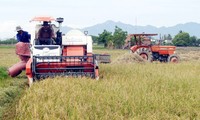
46, 34
146, 40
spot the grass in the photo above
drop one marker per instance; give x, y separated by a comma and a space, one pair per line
124, 91
3, 74
10, 91
10, 88
7, 46
98, 47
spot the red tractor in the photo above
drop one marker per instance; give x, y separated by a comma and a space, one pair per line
143, 47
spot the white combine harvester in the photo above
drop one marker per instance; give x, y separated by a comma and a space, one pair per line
54, 54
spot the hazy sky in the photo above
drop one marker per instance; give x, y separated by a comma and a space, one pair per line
84, 13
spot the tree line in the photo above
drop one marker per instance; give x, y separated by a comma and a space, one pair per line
111, 40
117, 39
8, 41
184, 39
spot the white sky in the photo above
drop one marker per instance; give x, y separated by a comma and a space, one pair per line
84, 13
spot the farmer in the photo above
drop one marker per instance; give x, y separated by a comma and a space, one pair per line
22, 50
22, 36
46, 34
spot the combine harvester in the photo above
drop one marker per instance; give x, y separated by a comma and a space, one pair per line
54, 54
150, 52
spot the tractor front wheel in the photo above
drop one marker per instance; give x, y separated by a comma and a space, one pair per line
173, 58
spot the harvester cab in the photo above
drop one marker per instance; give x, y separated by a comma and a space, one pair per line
60, 55
47, 38
144, 47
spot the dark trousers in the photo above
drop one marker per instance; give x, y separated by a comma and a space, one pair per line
44, 42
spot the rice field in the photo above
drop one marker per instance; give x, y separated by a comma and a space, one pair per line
125, 90
11, 89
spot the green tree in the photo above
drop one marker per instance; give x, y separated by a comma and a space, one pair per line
119, 37
8, 41
198, 42
133, 41
105, 37
169, 37
95, 39
182, 39
193, 41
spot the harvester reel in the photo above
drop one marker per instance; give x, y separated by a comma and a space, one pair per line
145, 53
173, 58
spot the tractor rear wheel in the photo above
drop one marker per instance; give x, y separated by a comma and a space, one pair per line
144, 56
173, 58
145, 53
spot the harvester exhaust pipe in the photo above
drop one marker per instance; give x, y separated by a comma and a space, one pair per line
60, 20
59, 33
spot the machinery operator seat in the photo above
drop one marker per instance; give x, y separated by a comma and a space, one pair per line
45, 34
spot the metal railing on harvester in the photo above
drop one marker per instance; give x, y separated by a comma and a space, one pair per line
51, 66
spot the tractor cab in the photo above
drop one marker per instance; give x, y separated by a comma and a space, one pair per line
152, 52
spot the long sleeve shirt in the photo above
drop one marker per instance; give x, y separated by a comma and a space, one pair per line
23, 37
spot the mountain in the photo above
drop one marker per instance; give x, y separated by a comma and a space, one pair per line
192, 28
65, 29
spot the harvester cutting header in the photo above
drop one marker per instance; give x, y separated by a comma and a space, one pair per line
54, 54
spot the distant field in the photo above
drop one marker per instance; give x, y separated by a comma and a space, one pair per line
124, 91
